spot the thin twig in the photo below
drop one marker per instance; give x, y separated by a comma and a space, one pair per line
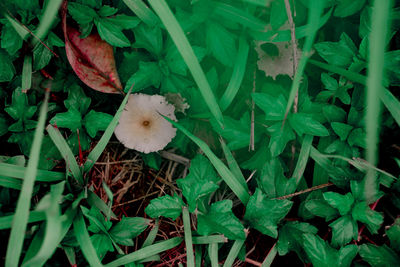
305, 191
251, 144
255, 263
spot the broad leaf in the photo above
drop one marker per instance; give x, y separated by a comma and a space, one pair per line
166, 206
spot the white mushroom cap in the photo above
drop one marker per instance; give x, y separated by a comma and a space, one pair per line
141, 127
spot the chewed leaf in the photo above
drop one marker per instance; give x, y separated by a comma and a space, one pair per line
92, 59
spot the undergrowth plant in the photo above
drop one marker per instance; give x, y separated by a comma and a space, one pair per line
287, 110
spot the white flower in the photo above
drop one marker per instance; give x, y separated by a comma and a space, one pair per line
141, 127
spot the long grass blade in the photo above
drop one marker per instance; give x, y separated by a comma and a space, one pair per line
270, 257
34, 216
20, 29
203, 240
142, 11
94, 200
233, 253
233, 165
238, 189
379, 29
146, 252
54, 228
152, 235
186, 51
263, 3
314, 17
188, 237
66, 152
213, 254
303, 158
101, 145
48, 17
82, 235
237, 74
15, 171
21, 216
27, 73
9, 182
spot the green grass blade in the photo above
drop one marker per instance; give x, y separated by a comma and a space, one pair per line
270, 257
392, 104
34, 216
66, 152
237, 74
350, 75
213, 254
233, 252
314, 17
388, 99
233, 165
204, 240
199, 255
99, 148
230, 13
262, 3
320, 176
20, 29
9, 182
303, 158
27, 73
142, 11
152, 235
21, 216
186, 51
188, 237
15, 171
94, 200
53, 233
48, 17
83, 238
379, 29
238, 189
146, 252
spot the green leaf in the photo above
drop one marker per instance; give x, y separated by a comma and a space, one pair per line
336, 53
142, 11
111, 33
149, 74
19, 108
127, 229
236, 132
221, 43
10, 40
71, 119
279, 137
330, 83
199, 183
379, 256
346, 255
342, 203
264, 214
149, 38
96, 121
82, 14
344, 230
393, 232
304, 124
320, 253
106, 11
166, 206
341, 129
273, 182
220, 219
77, 99
291, 236
3, 125
372, 219
321, 208
357, 138
278, 14
124, 22
274, 107
102, 244
347, 8
98, 222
